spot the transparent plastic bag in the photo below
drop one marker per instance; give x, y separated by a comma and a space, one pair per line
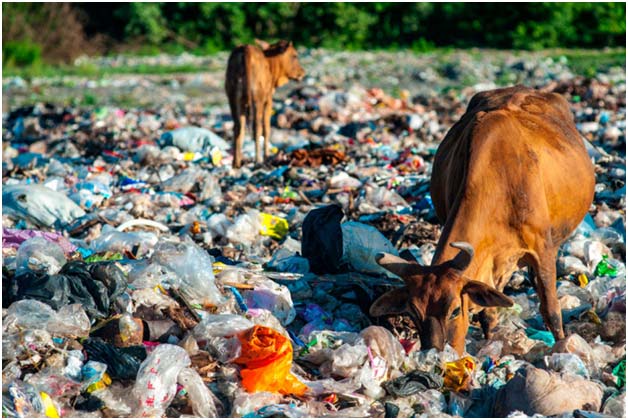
246, 403
39, 255
194, 273
221, 325
273, 297
69, 321
113, 240
201, 398
383, 344
360, 244
156, 383
566, 362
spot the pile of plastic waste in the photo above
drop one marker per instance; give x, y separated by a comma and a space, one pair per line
142, 276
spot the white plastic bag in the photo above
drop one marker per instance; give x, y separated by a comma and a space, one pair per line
156, 383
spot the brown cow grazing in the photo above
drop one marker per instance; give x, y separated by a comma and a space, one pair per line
511, 180
253, 74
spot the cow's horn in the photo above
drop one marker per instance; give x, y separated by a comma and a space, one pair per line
464, 257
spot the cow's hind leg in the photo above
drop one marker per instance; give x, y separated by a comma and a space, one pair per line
268, 109
544, 274
238, 115
258, 112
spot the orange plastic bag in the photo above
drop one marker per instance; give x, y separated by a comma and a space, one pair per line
266, 359
458, 374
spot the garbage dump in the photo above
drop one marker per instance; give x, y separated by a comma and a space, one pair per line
144, 277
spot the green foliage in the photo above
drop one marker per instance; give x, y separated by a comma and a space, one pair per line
21, 53
205, 28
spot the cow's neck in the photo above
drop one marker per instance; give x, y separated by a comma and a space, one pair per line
468, 224
277, 72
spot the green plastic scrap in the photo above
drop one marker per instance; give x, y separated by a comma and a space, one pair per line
604, 268
620, 373
544, 336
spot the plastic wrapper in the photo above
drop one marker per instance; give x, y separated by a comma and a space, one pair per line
266, 360
193, 267
156, 383
201, 398
13, 238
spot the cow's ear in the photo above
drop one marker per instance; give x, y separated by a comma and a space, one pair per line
484, 295
262, 44
391, 303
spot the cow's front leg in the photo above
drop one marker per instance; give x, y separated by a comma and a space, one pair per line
488, 321
545, 284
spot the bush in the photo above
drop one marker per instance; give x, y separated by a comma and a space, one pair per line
21, 54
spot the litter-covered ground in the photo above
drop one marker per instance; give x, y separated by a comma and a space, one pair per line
142, 276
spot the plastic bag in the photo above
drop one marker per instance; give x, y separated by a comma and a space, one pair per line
273, 297
69, 321
266, 360
322, 239
221, 325
156, 383
245, 229
245, 403
38, 204
273, 226
193, 267
615, 406
113, 240
13, 238
193, 139
39, 255
567, 362
383, 344
122, 363
201, 398
413, 382
534, 391
360, 244
458, 374
93, 286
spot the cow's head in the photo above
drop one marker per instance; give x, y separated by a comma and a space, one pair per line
434, 297
287, 55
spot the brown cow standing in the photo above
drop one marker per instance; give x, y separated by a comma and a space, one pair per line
253, 74
512, 179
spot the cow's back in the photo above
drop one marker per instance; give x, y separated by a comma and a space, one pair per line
248, 75
518, 149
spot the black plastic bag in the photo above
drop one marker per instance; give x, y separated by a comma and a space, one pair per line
322, 240
122, 363
94, 286
413, 382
